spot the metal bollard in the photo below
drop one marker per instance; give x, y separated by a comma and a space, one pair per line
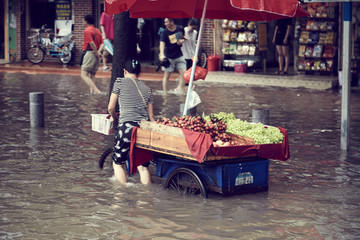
36, 109
260, 115
190, 112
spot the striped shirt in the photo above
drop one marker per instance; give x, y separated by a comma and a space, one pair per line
131, 104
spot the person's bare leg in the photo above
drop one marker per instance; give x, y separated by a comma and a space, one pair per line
285, 50
145, 177
280, 57
105, 58
165, 82
88, 79
120, 174
181, 85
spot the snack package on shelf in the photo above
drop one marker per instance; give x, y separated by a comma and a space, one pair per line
302, 49
321, 11
309, 51
318, 51
329, 65
232, 48
251, 25
226, 35
250, 37
252, 49
310, 25
233, 35
322, 38
329, 52
302, 64
331, 10
316, 26
330, 26
245, 49
226, 63
241, 37
323, 26
316, 66
239, 50
313, 38
308, 65
304, 37
232, 24
240, 24
224, 23
330, 37
323, 66
226, 48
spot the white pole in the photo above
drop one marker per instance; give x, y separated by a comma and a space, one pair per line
195, 58
346, 63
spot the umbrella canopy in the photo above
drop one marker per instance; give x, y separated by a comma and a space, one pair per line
247, 10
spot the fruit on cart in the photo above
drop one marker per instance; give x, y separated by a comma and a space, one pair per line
221, 125
262, 134
215, 128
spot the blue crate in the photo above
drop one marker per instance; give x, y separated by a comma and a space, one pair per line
225, 176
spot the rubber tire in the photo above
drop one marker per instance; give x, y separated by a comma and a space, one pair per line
181, 178
106, 161
35, 55
66, 57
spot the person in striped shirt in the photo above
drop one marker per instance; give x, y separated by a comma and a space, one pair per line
135, 101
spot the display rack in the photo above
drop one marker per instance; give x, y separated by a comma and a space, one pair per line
239, 44
318, 41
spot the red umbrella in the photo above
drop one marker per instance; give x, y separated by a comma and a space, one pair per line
247, 10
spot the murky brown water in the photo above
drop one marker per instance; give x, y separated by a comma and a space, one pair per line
51, 187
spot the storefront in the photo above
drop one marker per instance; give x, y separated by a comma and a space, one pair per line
7, 30
238, 41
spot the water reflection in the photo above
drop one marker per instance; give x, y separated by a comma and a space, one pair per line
51, 187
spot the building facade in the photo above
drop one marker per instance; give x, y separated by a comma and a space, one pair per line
22, 17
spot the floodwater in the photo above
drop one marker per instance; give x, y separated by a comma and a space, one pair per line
51, 186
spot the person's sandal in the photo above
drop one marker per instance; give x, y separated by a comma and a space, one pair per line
279, 72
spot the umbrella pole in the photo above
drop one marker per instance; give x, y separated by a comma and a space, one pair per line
195, 59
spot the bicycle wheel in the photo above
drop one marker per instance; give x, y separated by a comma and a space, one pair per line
35, 55
185, 181
65, 58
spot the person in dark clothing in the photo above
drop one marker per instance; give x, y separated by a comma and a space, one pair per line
171, 39
282, 41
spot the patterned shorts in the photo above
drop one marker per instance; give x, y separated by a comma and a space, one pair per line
122, 142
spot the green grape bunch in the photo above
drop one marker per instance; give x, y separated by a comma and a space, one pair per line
262, 134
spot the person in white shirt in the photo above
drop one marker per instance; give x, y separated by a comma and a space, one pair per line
188, 47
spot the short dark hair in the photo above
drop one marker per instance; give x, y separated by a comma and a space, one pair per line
89, 19
133, 66
192, 22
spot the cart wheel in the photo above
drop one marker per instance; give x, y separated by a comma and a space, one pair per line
185, 181
105, 162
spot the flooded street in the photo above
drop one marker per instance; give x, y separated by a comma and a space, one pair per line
51, 186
